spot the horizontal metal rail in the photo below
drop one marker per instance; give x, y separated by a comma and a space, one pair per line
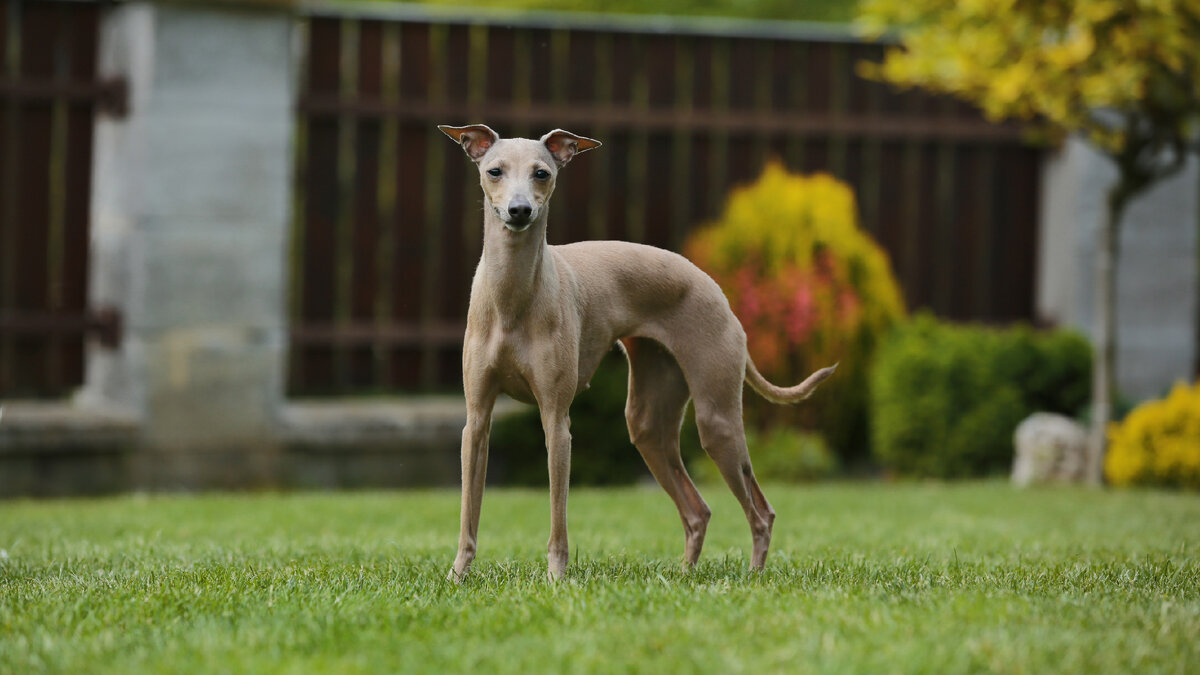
670, 119
390, 334
110, 96
104, 323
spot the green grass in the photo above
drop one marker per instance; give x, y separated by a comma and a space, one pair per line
862, 578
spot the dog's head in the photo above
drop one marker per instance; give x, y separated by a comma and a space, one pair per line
517, 174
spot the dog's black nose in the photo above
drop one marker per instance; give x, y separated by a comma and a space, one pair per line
520, 210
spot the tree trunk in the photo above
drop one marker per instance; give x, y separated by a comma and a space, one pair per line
1104, 330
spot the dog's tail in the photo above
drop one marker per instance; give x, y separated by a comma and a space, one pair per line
776, 394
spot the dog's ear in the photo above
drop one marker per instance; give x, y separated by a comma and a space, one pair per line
563, 145
475, 139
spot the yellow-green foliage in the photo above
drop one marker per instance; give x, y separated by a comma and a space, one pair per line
810, 288
1054, 61
1158, 443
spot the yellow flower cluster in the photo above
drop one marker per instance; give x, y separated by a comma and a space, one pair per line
784, 220
1056, 61
1158, 443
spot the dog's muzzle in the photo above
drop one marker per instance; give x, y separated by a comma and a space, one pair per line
518, 218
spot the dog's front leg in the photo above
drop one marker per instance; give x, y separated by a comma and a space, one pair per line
557, 425
474, 473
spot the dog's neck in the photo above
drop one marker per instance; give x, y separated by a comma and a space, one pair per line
514, 263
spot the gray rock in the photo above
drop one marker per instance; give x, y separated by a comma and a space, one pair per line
1050, 448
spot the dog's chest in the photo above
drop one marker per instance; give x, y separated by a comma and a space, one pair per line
509, 360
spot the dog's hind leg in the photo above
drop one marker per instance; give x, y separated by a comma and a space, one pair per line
724, 440
719, 419
658, 394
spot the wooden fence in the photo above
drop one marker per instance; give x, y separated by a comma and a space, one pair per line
387, 228
48, 96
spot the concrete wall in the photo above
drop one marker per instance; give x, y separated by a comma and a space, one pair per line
190, 214
1157, 269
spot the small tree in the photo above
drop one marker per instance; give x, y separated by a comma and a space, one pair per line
1124, 73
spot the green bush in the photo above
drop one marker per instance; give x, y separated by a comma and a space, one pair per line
946, 398
779, 454
601, 453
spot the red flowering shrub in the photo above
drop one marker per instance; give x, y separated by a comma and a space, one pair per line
811, 289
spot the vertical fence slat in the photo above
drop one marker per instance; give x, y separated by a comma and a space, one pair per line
701, 149
320, 203
719, 68
1025, 192
925, 248
967, 204
78, 185
657, 184
743, 63
500, 44
364, 360
621, 62
540, 79
409, 275
839, 95
453, 271
681, 169
1003, 236
982, 283
8, 139
942, 244
601, 86
386, 263
575, 195
39, 28
890, 224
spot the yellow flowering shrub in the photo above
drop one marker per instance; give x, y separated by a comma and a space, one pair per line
810, 288
1158, 443
1054, 62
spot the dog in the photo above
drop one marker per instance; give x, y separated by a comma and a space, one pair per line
542, 317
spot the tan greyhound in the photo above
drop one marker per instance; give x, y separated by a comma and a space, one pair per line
541, 318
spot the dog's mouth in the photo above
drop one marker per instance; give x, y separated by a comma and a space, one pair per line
511, 223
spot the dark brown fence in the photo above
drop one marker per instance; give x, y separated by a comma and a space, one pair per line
388, 216
48, 96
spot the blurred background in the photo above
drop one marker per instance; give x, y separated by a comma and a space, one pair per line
236, 252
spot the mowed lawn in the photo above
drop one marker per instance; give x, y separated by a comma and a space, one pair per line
868, 578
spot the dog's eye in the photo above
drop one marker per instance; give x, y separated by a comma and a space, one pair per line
541, 174
495, 173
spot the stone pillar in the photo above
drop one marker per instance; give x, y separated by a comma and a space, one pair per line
190, 214
1157, 284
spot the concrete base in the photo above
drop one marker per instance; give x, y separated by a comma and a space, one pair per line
340, 443
51, 449
57, 449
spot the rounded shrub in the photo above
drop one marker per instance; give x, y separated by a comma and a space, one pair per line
810, 288
779, 454
946, 398
1158, 443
